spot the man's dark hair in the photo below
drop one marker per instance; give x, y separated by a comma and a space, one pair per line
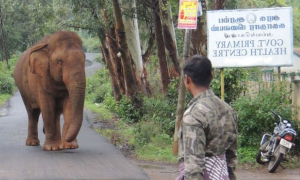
199, 69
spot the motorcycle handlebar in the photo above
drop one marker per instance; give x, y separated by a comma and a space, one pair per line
276, 115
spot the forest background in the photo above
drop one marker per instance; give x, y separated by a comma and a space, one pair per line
140, 49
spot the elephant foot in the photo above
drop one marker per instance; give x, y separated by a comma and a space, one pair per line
51, 145
69, 145
32, 141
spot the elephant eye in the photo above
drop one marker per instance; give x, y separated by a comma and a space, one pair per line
60, 62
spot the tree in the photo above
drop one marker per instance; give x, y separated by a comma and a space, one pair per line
133, 38
4, 47
24, 23
164, 71
169, 32
131, 85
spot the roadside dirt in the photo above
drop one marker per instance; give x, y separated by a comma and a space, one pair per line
157, 171
163, 171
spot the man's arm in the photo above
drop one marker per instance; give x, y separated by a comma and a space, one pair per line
194, 142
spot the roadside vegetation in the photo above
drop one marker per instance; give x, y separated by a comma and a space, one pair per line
149, 135
7, 84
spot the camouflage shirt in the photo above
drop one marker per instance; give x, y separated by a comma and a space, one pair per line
209, 128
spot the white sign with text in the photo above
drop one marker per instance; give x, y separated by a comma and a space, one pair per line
250, 37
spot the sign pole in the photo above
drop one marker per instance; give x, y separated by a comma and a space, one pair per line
279, 77
222, 84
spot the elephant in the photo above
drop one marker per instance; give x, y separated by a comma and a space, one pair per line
50, 76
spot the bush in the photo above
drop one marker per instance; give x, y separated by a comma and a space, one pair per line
162, 108
255, 116
91, 44
98, 86
127, 112
233, 83
144, 132
6, 84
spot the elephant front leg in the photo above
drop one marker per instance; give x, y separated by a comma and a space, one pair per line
67, 112
33, 118
51, 125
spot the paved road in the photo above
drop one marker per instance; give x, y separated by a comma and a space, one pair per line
91, 68
96, 158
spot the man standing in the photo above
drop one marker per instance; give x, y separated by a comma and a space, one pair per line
208, 132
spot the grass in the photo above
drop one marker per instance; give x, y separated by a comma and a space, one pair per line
152, 152
99, 109
146, 138
4, 98
247, 154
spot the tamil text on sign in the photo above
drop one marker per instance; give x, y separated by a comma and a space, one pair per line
252, 37
187, 17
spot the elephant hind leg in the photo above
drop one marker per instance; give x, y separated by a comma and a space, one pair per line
33, 119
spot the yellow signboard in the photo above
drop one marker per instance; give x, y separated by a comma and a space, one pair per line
187, 18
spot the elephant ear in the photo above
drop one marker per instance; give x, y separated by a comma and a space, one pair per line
39, 60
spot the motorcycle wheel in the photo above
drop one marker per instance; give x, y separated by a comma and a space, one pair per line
275, 160
259, 159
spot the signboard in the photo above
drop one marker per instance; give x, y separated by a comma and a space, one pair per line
250, 37
188, 14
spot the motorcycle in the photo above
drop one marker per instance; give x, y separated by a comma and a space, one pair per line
274, 147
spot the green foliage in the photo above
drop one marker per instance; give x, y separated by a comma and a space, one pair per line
127, 112
98, 86
90, 44
162, 108
7, 84
255, 114
99, 109
144, 132
233, 83
98, 58
25, 22
4, 98
247, 154
151, 143
153, 152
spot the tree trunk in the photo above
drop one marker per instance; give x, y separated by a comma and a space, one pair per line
146, 56
169, 32
165, 78
181, 95
133, 38
111, 55
4, 47
199, 35
219, 4
108, 59
148, 51
113, 49
131, 85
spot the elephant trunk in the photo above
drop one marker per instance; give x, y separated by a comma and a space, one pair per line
77, 94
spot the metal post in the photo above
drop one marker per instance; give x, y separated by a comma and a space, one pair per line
279, 77
222, 84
